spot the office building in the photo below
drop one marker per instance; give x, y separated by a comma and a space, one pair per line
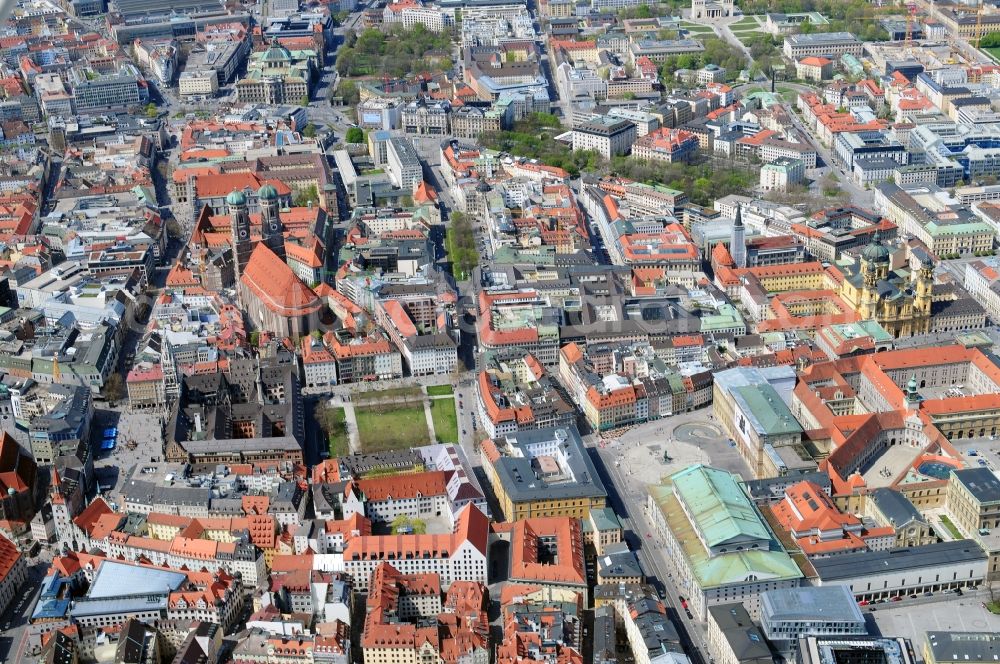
821, 44
901, 572
402, 164
541, 473
609, 137
791, 614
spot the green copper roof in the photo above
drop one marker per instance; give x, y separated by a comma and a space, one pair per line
708, 487
236, 197
719, 507
768, 414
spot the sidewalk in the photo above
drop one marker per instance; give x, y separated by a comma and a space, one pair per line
351, 421
430, 419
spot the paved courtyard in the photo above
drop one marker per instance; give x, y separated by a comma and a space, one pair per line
144, 428
888, 465
957, 614
654, 450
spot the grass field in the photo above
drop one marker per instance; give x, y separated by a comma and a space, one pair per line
746, 21
445, 420
383, 428
994, 51
695, 28
440, 390
951, 527
745, 37
339, 442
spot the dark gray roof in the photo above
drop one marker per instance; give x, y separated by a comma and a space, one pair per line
518, 476
617, 561
896, 507
981, 483
964, 647
963, 306
605, 642
657, 631
744, 637
855, 565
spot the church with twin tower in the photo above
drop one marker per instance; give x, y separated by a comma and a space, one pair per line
275, 298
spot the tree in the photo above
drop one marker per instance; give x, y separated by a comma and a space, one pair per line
304, 101
330, 419
990, 40
309, 131
303, 197
174, 229
355, 135
114, 388
348, 91
151, 110
254, 339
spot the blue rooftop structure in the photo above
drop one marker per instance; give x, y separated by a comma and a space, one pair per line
115, 579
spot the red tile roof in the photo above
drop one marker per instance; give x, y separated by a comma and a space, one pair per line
277, 286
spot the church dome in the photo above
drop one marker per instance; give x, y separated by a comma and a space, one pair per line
236, 197
875, 252
276, 53
268, 193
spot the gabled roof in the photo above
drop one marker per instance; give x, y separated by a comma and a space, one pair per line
276, 285
717, 505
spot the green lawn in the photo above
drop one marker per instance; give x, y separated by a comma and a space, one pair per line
745, 21
994, 51
745, 37
445, 420
339, 442
391, 426
951, 527
440, 390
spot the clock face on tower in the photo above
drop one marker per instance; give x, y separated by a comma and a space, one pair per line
243, 233
274, 227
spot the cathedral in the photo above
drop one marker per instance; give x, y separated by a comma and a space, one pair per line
899, 300
274, 297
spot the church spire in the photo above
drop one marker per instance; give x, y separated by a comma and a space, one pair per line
737, 241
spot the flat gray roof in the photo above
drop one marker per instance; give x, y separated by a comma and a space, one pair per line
519, 476
964, 646
982, 483
853, 565
825, 603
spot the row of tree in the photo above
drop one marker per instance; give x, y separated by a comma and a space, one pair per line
460, 243
717, 52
